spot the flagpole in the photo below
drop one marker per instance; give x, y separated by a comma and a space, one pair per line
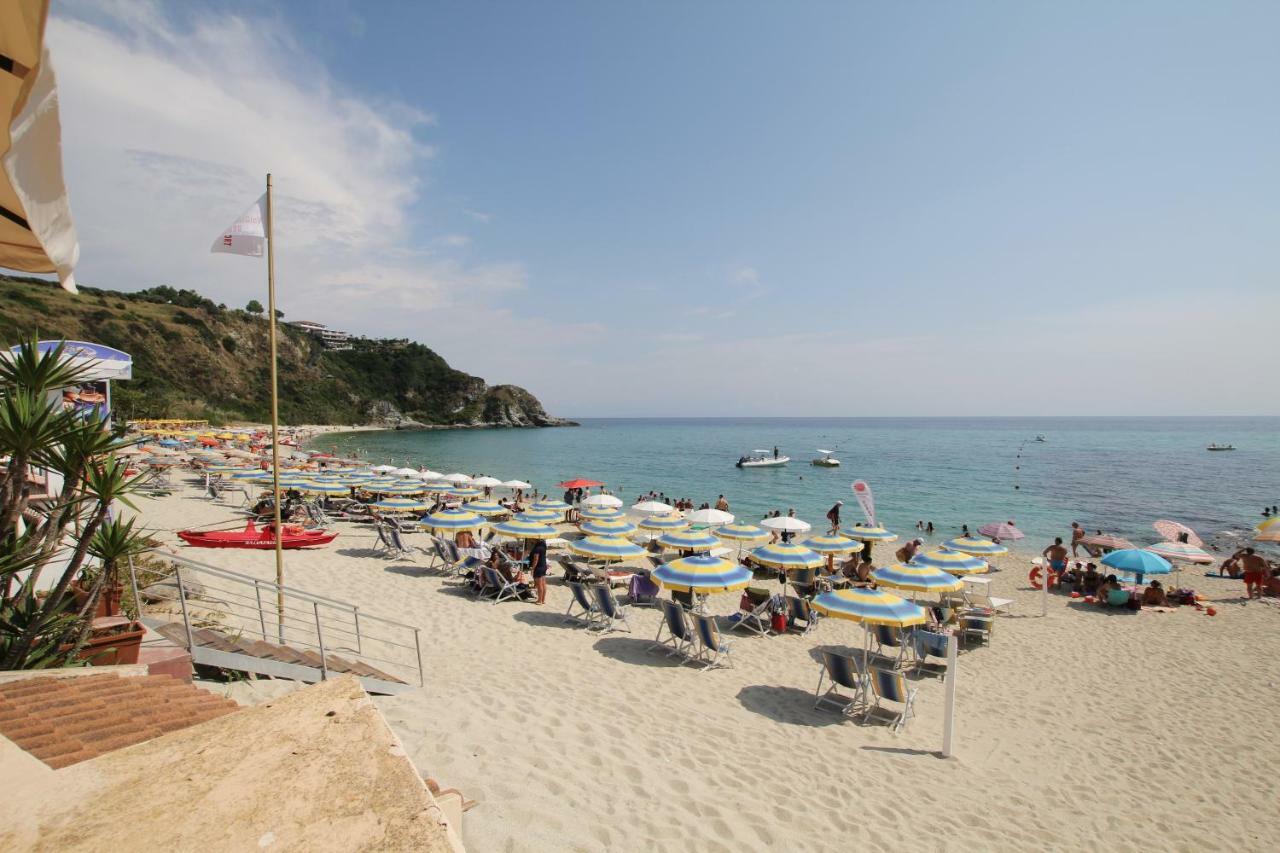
275, 416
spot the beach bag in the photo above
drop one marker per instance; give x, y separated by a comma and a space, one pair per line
779, 623
745, 603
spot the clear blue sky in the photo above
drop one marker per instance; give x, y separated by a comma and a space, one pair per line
719, 208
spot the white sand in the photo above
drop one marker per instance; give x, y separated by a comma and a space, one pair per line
1084, 729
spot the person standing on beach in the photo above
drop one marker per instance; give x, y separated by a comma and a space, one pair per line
1056, 554
536, 554
833, 516
1255, 572
1077, 533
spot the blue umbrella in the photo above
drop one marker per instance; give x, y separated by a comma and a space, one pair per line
1137, 562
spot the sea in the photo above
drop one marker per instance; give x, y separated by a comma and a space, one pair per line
1112, 474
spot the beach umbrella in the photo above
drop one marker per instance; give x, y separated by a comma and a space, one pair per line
608, 548
438, 486
786, 556
514, 485
689, 540
710, 517
324, 488
607, 527
401, 505
980, 547
487, 508
831, 544
242, 473
663, 523
456, 478
1137, 562
580, 484
358, 475
600, 512
465, 493
485, 482
427, 474
702, 575
1105, 540
917, 578
1002, 530
1174, 531
786, 524
1181, 552
411, 473
870, 607
955, 562
870, 534
516, 528
169, 442
454, 520
232, 469
1271, 534
378, 483
545, 516
741, 532
653, 508
552, 504
402, 488
1262, 525
602, 501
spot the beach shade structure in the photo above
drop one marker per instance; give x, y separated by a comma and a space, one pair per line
977, 547
580, 483
607, 527
377, 483
454, 520
1106, 540
786, 556
870, 607
916, 578
870, 534
689, 540
516, 485
544, 516
487, 508
240, 473
410, 473
663, 523
382, 469
516, 528
466, 493
710, 517
1176, 531
955, 562
484, 482
427, 475
1137, 562
332, 489
600, 513
786, 524
170, 442
1181, 552
831, 544
552, 504
602, 501
653, 508
606, 548
456, 478
401, 505
742, 533
1270, 534
1002, 530
438, 486
403, 488
702, 575
360, 476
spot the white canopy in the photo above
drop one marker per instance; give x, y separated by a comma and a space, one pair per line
794, 525
710, 516
407, 473
602, 500
486, 482
456, 478
653, 508
382, 469
517, 484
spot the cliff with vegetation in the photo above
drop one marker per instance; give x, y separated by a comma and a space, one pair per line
194, 358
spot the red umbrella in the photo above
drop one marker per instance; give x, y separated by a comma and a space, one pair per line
1002, 530
1171, 531
579, 484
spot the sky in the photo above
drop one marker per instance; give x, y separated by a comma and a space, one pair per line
715, 208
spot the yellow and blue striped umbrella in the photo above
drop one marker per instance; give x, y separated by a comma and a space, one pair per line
955, 562
787, 556
664, 523
241, 473
454, 520
324, 488
870, 534
869, 606
600, 512
404, 487
607, 527
517, 529
741, 532
438, 486
702, 574
689, 540
379, 482
831, 544
401, 505
917, 578
358, 475
610, 548
975, 546
551, 503
545, 516
487, 508
463, 492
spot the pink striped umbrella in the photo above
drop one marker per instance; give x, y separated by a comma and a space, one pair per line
1172, 530
1002, 530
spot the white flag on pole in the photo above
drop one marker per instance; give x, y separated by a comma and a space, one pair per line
247, 235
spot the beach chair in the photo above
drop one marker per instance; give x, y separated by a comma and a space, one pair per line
212, 491
611, 611
799, 610
803, 582
982, 599
842, 672
497, 586
927, 644
583, 601
889, 685
756, 618
679, 636
891, 637
641, 590
715, 649
974, 626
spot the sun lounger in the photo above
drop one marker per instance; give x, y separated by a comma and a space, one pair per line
715, 649
497, 586
889, 685
679, 636
612, 612
841, 672
927, 644
799, 611
756, 618
978, 627
581, 599
890, 637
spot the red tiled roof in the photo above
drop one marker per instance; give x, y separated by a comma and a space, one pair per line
63, 721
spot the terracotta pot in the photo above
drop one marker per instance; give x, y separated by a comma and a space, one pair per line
114, 647
108, 601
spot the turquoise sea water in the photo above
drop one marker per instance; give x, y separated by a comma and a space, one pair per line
1117, 474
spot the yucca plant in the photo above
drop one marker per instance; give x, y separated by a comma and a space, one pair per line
60, 531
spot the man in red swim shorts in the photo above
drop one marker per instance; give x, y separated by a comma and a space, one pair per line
1255, 572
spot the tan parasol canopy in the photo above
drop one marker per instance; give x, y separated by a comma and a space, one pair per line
36, 231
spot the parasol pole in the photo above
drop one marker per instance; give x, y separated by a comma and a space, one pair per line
275, 415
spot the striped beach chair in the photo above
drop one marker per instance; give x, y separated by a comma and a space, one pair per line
842, 672
890, 685
715, 649
497, 586
581, 599
927, 644
679, 636
801, 615
888, 636
755, 618
612, 613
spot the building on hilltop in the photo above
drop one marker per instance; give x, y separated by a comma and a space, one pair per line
330, 338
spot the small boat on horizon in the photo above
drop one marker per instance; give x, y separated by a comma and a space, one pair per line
1221, 447
761, 459
826, 460
1041, 438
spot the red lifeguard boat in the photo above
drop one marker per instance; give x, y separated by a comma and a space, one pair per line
255, 537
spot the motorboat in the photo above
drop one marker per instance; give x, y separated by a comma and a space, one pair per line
762, 459
255, 537
826, 460
1221, 447
1041, 438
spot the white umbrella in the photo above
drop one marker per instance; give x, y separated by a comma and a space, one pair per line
602, 500
652, 508
428, 474
411, 473
486, 482
516, 484
710, 516
787, 523
382, 469
456, 478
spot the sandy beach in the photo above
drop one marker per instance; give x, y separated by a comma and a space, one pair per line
1083, 729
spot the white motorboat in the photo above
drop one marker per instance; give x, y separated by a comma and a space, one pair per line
1041, 438
762, 459
826, 460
